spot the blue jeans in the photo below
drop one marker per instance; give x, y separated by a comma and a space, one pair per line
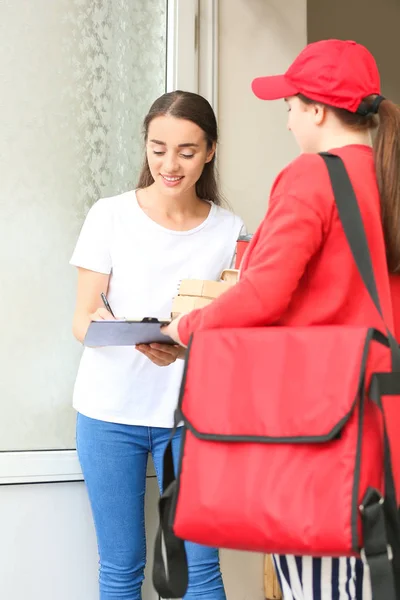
113, 458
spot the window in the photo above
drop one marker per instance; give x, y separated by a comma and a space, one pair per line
78, 78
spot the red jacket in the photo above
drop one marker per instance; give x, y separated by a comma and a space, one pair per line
395, 289
298, 269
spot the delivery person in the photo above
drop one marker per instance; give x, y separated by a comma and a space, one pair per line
298, 269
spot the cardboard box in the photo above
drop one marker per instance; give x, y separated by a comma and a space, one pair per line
184, 304
230, 276
198, 293
203, 288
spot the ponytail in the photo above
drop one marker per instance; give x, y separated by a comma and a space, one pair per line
387, 165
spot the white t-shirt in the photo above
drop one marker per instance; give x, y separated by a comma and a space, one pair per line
146, 263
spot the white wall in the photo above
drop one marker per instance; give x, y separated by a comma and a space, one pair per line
257, 37
374, 24
48, 547
260, 37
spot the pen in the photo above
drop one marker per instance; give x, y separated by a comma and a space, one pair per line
106, 304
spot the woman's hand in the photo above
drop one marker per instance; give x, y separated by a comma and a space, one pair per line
172, 330
101, 314
161, 355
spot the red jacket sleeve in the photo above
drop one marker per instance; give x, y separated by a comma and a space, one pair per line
288, 237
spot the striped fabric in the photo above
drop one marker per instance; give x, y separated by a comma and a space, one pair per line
307, 578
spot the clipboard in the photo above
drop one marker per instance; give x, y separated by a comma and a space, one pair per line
126, 333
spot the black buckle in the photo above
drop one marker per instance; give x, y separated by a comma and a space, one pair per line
372, 496
388, 553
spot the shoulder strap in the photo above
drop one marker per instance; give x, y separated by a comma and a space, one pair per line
350, 217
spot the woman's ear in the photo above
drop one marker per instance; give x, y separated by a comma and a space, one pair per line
319, 113
211, 152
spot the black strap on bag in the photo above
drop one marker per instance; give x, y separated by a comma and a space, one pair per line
170, 574
387, 384
170, 579
380, 515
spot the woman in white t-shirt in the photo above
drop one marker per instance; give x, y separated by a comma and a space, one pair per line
136, 247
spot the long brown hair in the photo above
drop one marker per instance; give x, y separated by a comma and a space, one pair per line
387, 165
195, 108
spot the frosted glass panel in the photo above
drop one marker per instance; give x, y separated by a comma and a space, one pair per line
77, 77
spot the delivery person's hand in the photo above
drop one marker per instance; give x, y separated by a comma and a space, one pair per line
172, 330
161, 355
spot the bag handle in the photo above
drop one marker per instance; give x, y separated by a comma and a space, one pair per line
170, 566
350, 217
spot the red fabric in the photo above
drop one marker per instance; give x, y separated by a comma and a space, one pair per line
395, 290
241, 248
336, 72
298, 269
282, 497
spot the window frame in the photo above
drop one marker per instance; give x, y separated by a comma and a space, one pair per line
192, 47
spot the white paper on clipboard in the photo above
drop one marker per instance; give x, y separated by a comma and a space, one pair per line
126, 333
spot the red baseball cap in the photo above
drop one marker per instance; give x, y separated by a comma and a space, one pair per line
335, 72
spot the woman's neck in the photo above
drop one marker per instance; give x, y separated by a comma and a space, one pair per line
177, 205
181, 212
337, 138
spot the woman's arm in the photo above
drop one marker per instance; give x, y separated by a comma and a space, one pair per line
89, 306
